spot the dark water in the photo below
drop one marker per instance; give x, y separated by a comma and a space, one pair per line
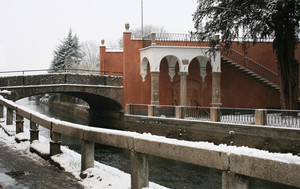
169, 173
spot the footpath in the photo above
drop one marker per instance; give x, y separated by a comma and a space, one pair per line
20, 170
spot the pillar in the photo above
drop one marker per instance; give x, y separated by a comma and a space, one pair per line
183, 88
154, 88
55, 143
87, 155
179, 112
9, 116
128, 109
102, 57
1, 111
153, 110
232, 180
34, 131
139, 170
19, 124
215, 114
216, 89
260, 117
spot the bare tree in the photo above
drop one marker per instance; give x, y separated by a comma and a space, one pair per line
147, 30
91, 59
137, 34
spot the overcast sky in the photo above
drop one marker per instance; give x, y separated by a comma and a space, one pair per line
31, 29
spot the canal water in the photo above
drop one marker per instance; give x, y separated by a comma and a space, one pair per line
169, 173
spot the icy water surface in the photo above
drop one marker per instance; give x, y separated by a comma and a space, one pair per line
169, 173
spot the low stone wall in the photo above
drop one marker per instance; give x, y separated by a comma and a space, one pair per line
273, 139
61, 78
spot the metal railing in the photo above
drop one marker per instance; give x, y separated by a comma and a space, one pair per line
236, 57
139, 109
46, 71
283, 118
175, 39
273, 117
196, 113
166, 111
237, 115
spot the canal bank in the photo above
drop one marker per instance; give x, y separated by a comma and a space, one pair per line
189, 176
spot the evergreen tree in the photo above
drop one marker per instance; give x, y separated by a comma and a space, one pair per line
256, 20
68, 54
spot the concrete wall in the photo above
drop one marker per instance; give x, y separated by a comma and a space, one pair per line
260, 137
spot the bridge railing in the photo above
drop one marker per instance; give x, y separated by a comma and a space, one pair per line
237, 166
270, 117
46, 71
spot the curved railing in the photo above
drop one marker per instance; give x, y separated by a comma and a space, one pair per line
233, 162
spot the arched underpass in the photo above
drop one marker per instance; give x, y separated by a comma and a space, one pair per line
104, 98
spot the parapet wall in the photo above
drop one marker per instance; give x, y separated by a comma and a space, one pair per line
259, 137
63, 78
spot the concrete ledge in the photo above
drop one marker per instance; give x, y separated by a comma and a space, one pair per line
8, 104
274, 139
198, 156
23, 112
41, 121
115, 140
266, 169
67, 130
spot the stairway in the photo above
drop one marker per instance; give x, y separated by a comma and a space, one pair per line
251, 68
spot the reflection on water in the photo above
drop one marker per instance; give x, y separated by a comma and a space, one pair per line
166, 172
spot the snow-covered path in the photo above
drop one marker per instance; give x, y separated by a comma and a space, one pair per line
101, 176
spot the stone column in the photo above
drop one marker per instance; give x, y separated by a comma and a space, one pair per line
128, 109
9, 116
183, 88
231, 180
55, 143
34, 131
215, 114
216, 89
139, 170
153, 110
179, 112
1, 111
87, 154
154, 88
260, 117
19, 124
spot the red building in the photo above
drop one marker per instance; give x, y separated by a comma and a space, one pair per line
175, 69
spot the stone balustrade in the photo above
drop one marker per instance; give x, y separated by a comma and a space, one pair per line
237, 168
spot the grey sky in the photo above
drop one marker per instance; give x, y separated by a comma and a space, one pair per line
31, 29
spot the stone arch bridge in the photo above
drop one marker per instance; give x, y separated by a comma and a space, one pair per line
103, 93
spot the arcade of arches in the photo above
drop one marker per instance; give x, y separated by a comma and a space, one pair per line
181, 81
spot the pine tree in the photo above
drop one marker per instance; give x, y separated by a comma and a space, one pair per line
68, 54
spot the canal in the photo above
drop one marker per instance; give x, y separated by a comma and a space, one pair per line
169, 173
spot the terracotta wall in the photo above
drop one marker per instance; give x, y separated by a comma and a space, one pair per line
237, 89
135, 90
263, 53
112, 62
